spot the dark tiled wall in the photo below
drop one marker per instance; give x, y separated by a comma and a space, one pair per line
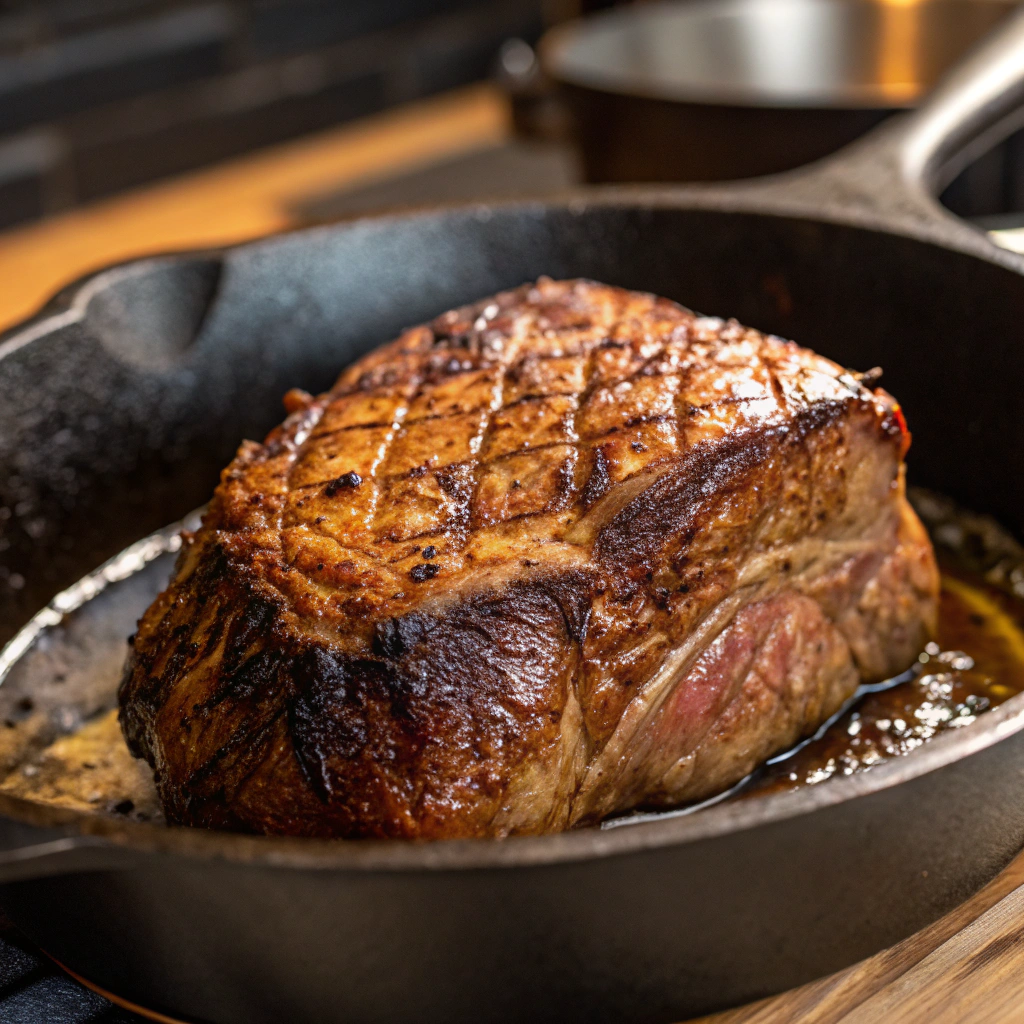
100, 95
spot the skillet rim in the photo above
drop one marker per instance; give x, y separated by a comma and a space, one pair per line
789, 195
772, 197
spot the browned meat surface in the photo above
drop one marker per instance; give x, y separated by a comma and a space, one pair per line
569, 551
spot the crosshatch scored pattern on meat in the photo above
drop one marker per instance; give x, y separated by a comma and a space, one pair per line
566, 552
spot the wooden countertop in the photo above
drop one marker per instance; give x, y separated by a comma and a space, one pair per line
967, 968
238, 199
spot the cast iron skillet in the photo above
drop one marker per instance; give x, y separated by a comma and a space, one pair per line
121, 400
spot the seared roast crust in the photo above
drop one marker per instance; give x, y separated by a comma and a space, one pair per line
564, 552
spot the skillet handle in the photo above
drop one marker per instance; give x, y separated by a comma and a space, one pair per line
974, 107
891, 177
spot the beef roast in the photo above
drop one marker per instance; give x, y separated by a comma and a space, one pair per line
568, 551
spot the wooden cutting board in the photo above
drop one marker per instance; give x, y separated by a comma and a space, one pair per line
967, 968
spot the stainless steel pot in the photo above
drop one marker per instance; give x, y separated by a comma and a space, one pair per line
719, 89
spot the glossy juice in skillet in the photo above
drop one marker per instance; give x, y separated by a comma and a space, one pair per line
90, 768
975, 663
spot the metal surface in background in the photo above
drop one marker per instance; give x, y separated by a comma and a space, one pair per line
852, 54
711, 90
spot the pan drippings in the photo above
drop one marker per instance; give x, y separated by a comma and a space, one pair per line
977, 663
60, 743
89, 769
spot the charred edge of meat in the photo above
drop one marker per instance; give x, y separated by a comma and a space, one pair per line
349, 718
668, 506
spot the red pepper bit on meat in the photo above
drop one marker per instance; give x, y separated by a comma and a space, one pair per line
901, 422
297, 400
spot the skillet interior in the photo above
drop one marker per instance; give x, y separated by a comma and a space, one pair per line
117, 420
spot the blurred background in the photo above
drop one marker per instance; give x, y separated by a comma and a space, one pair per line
101, 95
127, 126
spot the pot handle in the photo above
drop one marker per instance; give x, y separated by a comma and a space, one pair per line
892, 175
